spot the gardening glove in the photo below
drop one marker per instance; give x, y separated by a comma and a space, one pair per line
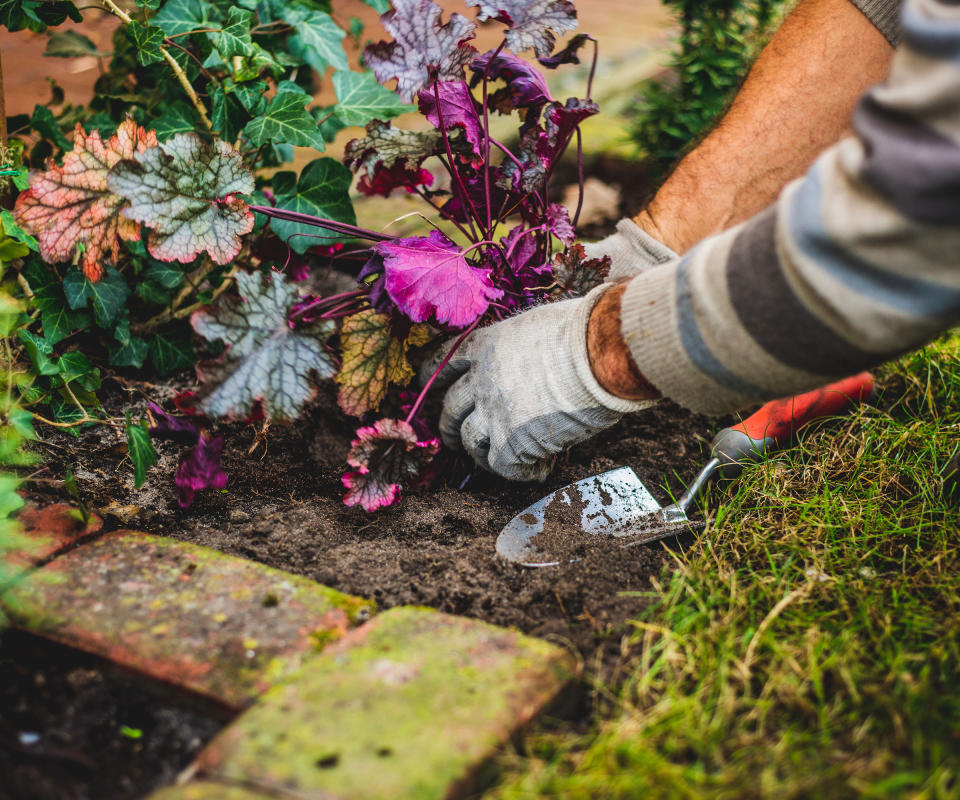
522, 390
631, 249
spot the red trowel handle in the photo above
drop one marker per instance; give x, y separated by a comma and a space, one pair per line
776, 422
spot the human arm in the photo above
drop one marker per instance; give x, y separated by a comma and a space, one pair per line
857, 262
795, 102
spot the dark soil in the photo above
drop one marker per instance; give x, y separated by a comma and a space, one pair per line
283, 507
72, 727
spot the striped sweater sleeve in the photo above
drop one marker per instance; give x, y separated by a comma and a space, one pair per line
857, 262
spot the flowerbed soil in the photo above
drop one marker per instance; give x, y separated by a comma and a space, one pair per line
72, 727
283, 507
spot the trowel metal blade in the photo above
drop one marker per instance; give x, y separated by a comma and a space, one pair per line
609, 503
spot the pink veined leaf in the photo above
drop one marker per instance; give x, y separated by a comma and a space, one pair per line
525, 87
530, 275
532, 23
186, 191
428, 275
423, 50
387, 456
558, 218
200, 469
459, 110
267, 360
70, 206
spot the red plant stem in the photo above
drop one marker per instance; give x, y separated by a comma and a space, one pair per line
451, 166
426, 198
334, 298
206, 73
347, 309
486, 138
326, 224
593, 67
446, 360
576, 216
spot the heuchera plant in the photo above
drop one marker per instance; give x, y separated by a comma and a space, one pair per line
507, 246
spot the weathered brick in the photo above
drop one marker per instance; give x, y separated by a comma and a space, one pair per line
54, 529
410, 705
205, 790
219, 625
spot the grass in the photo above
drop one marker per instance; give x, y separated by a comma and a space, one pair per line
808, 643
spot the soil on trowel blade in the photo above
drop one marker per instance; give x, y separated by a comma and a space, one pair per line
283, 506
72, 727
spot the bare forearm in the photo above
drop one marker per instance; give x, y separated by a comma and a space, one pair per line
796, 101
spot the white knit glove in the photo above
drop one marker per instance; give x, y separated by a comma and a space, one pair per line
523, 390
631, 249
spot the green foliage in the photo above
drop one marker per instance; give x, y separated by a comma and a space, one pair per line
141, 450
253, 67
718, 41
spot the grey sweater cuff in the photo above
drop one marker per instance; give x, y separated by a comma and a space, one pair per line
885, 15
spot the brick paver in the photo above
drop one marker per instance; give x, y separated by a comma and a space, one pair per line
54, 529
410, 705
219, 625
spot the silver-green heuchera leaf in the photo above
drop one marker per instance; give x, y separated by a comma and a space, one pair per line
186, 191
267, 361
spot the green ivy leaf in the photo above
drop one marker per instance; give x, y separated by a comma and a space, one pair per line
177, 118
361, 99
380, 6
57, 319
234, 38
182, 16
76, 367
286, 120
251, 94
14, 231
318, 39
38, 350
227, 115
70, 44
322, 190
152, 5
131, 354
169, 353
141, 450
148, 42
107, 295
44, 123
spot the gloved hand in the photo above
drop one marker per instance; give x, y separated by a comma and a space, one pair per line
631, 249
523, 390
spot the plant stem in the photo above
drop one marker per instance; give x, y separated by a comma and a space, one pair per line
446, 360
206, 73
320, 222
451, 167
114, 9
427, 199
576, 216
593, 67
486, 137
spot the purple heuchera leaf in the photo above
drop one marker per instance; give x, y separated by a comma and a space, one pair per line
200, 469
458, 107
530, 21
455, 209
569, 54
558, 218
423, 50
521, 247
379, 298
387, 455
429, 275
170, 426
526, 87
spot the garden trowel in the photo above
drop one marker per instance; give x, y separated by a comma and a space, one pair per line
616, 503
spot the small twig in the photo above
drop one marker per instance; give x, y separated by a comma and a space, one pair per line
114, 9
